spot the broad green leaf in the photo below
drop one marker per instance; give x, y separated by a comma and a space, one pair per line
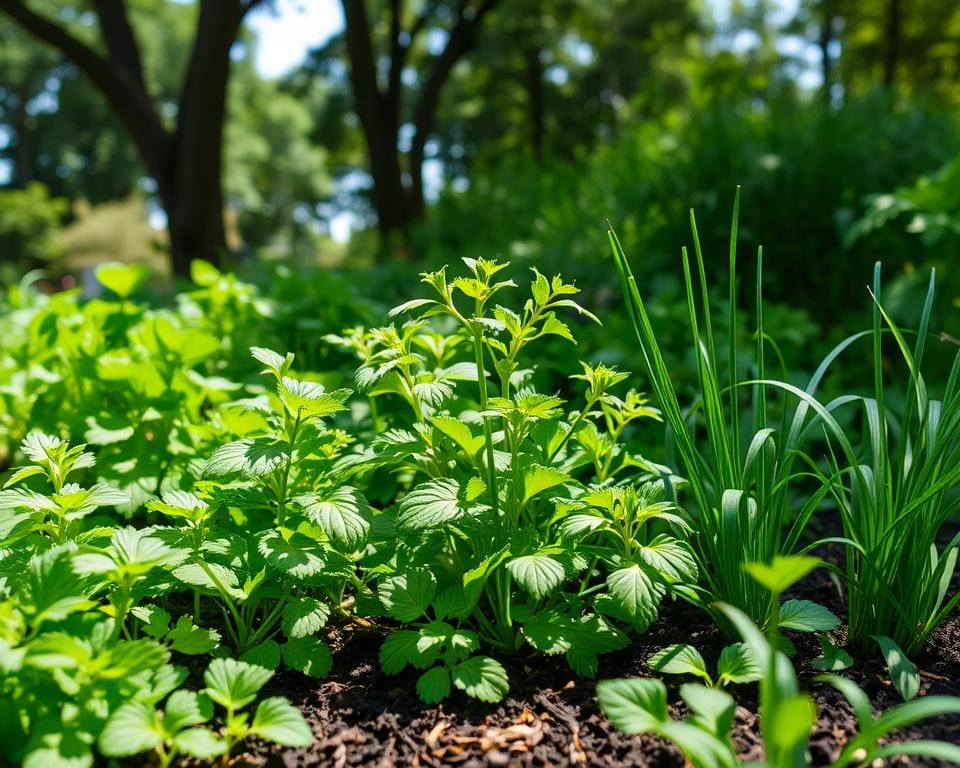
679, 659
399, 649
299, 556
304, 616
637, 594
671, 558
633, 705
211, 576
537, 479
310, 400
186, 708
783, 572
481, 678
122, 279
190, 639
460, 433
132, 729
434, 685
309, 655
277, 720
737, 664
712, 709
903, 672
233, 683
832, 658
200, 742
538, 574
265, 654
274, 361
433, 504
60, 749
407, 596
793, 721
342, 513
248, 457
807, 616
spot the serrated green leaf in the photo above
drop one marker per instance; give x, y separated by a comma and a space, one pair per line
131, 729
481, 678
807, 616
537, 479
637, 594
433, 504
189, 639
233, 683
399, 649
248, 457
342, 513
679, 659
304, 616
277, 720
186, 708
738, 664
407, 596
633, 705
309, 655
538, 574
434, 685
670, 557
122, 279
299, 556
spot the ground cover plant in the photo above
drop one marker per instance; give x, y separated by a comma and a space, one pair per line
225, 514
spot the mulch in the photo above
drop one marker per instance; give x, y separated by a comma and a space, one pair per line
550, 718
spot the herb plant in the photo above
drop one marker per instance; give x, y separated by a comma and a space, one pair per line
523, 523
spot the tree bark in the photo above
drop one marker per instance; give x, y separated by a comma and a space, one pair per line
891, 52
379, 116
187, 162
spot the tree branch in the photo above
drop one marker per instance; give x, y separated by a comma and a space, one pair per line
132, 107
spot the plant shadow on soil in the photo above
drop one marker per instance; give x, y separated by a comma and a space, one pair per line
550, 718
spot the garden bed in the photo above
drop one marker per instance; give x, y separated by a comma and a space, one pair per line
364, 718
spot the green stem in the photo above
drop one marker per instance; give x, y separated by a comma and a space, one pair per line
487, 432
285, 477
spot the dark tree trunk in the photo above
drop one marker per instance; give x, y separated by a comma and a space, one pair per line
891, 52
536, 102
380, 120
21, 127
187, 163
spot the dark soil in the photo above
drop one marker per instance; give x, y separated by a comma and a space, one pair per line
550, 718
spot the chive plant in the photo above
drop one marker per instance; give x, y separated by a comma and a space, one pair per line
896, 489
741, 473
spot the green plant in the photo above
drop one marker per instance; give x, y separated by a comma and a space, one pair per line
178, 725
519, 525
786, 715
735, 664
296, 528
742, 474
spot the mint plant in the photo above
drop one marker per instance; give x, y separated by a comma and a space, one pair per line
482, 551
279, 572
180, 724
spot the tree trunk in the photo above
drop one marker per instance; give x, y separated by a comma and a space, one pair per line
891, 53
536, 102
21, 127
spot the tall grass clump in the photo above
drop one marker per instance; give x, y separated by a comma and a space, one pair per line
898, 488
738, 459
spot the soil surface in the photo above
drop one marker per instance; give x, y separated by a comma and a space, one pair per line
550, 718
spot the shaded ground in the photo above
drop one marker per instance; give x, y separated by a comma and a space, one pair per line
361, 717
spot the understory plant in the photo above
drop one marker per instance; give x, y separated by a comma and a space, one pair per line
896, 489
523, 522
737, 450
787, 716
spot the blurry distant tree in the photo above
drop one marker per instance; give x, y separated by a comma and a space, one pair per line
180, 138
911, 45
397, 58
